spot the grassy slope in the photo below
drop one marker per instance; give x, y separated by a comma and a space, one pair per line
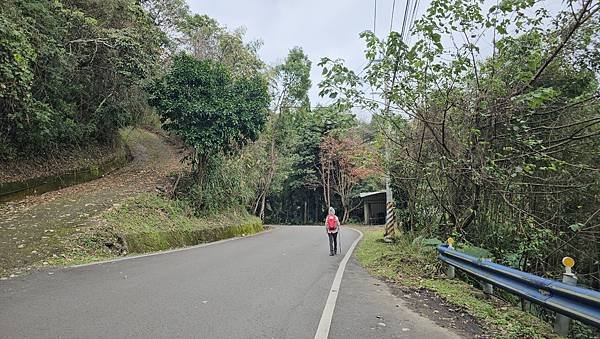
149, 223
41, 229
149, 213
411, 265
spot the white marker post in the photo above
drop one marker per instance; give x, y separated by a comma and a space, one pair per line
562, 321
450, 272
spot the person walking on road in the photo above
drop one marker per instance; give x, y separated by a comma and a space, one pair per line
332, 225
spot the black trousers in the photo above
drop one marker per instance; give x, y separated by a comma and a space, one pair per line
332, 242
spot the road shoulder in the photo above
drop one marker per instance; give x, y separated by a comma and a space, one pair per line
412, 271
367, 308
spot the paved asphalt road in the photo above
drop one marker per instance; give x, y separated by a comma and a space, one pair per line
273, 285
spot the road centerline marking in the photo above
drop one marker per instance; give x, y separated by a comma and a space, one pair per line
327, 316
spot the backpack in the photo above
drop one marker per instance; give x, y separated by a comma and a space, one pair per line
331, 222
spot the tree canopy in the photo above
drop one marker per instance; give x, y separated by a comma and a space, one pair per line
498, 149
210, 111
71, 71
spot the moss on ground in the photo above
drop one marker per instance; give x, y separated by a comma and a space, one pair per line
148, 223
416, 266
151, 223
65, 226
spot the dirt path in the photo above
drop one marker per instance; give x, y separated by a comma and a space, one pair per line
31, 230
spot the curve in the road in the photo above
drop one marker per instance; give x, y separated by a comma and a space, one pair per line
270, 286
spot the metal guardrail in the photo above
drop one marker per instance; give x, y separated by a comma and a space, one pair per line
572, 301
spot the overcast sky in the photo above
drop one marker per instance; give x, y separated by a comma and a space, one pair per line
321, 27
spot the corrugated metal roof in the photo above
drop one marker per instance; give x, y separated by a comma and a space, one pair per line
366, 194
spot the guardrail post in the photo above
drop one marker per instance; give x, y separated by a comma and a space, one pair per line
562, 321
450, 272
487, 288
525, 305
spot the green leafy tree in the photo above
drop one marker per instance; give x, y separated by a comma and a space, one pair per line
205, 39
212, 113
169, 15
290, 83
302, 198
494, 146
71, 72
346, 160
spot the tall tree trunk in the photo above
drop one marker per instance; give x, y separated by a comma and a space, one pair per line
346, 216
257, 204
262, 207
316, 207
305, 219
268, 180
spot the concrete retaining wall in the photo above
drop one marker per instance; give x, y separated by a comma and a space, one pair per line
15, 190
162, 240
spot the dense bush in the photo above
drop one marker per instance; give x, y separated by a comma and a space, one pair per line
70, 71
498, 148
210, 111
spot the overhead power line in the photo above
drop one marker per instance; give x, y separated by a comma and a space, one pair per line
404, 19
375, 17
412, 19
392, 19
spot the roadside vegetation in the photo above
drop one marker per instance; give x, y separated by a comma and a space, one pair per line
149, 223
494, 145
485, 118
62, 88
411, 266
489, 114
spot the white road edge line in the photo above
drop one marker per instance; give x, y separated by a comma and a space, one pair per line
327, 316
171, 251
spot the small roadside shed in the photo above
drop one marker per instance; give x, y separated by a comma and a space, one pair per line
374, 207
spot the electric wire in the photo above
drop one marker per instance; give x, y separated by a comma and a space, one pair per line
404, 19
412, 20
375, 17
392, 19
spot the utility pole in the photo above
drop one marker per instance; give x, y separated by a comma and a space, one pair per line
390, 206
390, 214
390, 217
